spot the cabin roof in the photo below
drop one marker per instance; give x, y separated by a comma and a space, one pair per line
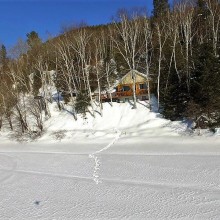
134, 71
130, 72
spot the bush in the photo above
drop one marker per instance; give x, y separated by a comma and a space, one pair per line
82, 102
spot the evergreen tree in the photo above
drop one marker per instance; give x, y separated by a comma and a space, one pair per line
37, 83
201, 4
160, 7
82, 102
205, 85
3, 54
35, 49
33, 39
202, 8
176, 98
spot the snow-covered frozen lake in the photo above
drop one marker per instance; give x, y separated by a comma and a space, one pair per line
160, 179
150, 172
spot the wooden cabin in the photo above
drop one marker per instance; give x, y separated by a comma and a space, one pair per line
123, 89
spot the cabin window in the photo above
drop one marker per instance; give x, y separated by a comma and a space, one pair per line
126, 88
143, 86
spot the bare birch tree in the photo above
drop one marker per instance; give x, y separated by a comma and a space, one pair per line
186, 12
173, 34
68, 70
82, 48
162, 38
148, 52
128, 44
213, 7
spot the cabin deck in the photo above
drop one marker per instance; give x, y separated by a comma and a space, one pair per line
130, 93
122, 95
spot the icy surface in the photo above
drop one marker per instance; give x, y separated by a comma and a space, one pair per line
130, 164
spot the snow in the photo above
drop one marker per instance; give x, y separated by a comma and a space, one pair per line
128, 164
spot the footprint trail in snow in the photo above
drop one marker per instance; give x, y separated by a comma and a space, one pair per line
96, 159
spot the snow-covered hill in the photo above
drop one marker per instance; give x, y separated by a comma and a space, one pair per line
120, 116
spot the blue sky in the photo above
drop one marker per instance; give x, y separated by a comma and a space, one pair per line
19, 17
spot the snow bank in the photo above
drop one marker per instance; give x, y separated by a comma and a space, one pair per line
120, 116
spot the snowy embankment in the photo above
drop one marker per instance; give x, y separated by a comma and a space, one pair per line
121, 117
127, 164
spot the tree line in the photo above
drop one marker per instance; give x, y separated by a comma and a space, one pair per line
177, 48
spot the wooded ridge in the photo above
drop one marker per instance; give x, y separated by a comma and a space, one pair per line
177, 47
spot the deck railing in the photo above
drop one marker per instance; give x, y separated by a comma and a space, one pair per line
130, 93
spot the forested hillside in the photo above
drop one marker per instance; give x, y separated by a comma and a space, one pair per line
177, 47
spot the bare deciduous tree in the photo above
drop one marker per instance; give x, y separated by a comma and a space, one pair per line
129, 44
162, 38
214, 21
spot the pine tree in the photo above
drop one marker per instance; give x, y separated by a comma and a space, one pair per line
202, 8
35, 50
176, 98
37, 83
82, 102
205, 84
201, 3
33, 39
3, 54
160, 7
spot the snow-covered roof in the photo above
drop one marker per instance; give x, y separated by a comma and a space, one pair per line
135, 72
